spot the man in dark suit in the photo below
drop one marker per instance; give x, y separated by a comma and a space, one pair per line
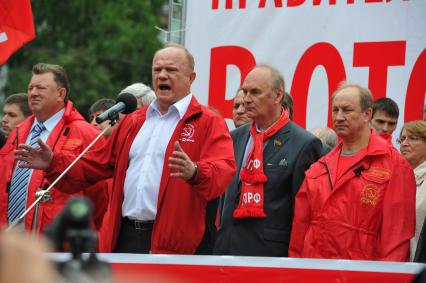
272, 154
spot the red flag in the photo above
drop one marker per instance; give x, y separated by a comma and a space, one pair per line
16, 26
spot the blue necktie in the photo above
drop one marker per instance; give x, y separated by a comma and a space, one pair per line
19, 183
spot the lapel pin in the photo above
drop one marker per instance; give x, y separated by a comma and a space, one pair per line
278, 143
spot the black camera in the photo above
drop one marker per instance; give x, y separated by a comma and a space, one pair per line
70, 232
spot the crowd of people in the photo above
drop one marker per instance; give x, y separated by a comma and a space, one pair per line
171, 178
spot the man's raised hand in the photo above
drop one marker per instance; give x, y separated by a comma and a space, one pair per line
182, 165
34, 157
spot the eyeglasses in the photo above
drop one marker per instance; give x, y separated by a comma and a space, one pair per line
409, 139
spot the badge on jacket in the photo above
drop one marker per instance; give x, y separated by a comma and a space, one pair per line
283, 163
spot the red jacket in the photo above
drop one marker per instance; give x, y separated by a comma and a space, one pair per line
365, 217
72, 134
100, 192
180, 221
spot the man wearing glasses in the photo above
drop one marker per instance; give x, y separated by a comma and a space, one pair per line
358, 201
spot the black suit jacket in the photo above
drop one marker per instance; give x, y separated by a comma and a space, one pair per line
286, 157
420, 254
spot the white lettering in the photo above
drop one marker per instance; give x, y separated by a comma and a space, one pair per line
249, 197
3, 37
256, 163
257, 197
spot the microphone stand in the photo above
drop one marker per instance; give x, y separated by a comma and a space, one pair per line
40, 194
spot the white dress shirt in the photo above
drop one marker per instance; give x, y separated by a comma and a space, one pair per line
49, 125
249, 146
146, 159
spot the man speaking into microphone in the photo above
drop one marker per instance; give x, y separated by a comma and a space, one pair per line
358, 201
57, 123
168, 160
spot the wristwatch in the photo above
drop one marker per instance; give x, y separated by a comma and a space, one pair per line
195, 172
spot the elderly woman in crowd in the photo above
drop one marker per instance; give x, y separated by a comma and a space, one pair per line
412, 142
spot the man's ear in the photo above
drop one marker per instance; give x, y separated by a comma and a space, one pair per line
280, 96
369, 113
192, 77
63, 93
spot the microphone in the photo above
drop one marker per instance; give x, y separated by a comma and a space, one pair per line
126, 104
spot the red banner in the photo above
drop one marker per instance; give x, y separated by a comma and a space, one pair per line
192, 273
184, 268
16, 26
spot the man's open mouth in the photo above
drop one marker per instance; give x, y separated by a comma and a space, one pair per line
164, 87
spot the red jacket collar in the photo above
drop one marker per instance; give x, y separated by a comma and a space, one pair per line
193, 109
70, 114
376, 146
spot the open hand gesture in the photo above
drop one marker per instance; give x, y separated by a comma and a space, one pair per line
34, 157
182, 165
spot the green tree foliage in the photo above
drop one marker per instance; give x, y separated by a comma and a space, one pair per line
104, 45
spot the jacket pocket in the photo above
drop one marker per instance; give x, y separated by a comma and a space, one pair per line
376, 175
72, 144
276, 235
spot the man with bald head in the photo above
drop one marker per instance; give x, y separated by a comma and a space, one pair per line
272, 154
168, 160
358, 201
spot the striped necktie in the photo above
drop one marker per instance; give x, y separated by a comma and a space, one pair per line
19, 183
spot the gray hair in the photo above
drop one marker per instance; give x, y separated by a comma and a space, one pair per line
365, 96
326, 135
277, 78
189, 56
143, 93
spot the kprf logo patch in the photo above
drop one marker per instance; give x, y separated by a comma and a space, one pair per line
370, 194
187, 133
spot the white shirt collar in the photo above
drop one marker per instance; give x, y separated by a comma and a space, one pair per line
50, 123
181, 106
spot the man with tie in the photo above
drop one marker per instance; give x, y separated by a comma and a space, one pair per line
272, 154
56, 122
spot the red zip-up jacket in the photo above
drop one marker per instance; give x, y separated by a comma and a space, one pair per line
71, 135
369, 214
180, 221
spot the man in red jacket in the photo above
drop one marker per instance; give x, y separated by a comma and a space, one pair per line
168, 160
358, 201
59, 125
